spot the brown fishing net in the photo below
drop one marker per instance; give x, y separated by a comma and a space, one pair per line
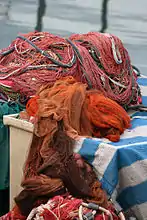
64, 111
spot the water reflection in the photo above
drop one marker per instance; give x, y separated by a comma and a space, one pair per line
42, 9
104, 14
40, 13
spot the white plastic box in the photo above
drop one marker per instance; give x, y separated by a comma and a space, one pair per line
21, 133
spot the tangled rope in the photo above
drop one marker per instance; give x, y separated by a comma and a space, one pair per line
61, 208
67, 207
100, 60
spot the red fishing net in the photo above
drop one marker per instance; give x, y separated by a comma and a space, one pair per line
100, 60
65, 207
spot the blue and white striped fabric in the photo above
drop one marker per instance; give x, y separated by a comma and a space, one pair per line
122, 166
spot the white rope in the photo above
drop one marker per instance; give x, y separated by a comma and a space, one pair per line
121, 215
36, 212
107, 212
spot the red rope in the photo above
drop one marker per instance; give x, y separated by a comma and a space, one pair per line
93, 58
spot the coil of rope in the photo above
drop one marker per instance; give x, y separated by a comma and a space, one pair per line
100, 60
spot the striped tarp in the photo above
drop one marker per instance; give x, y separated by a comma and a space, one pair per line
122, 166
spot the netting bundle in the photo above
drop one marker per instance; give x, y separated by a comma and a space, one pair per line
100, 60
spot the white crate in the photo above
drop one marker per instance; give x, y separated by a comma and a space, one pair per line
20, 139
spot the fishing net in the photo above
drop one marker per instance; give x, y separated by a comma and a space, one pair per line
64, 112
100, 60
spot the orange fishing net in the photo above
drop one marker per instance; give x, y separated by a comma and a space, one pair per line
32, 106
84, 112
63, 112
107, 118
51, 169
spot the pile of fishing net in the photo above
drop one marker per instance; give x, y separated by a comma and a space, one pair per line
99, 60
83, 112
71, 88
67, 207
58, 183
